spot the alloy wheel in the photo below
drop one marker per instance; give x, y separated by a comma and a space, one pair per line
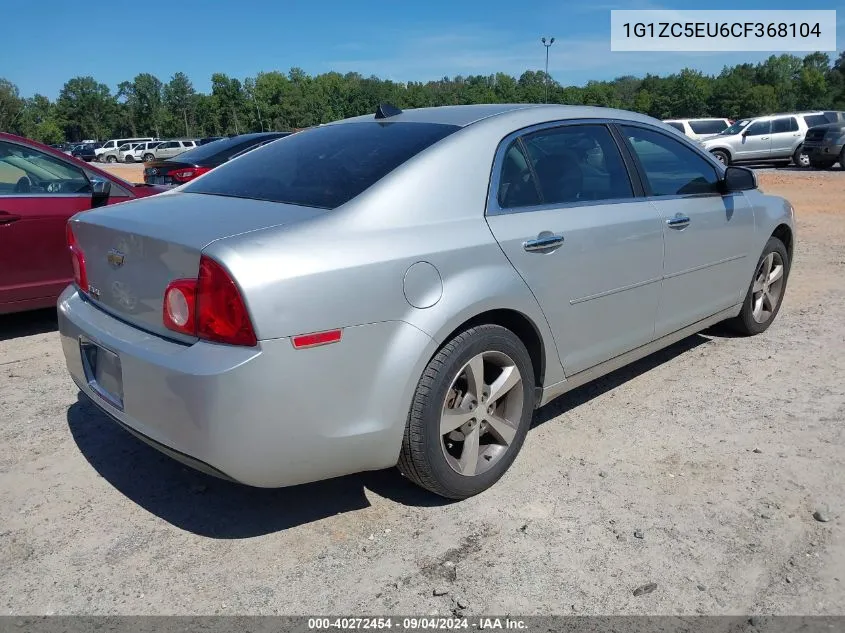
767, 288
481, 413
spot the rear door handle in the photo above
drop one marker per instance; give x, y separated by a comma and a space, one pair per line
8, 218
546, 241
680, 221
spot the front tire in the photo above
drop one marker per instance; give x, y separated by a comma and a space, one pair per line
470, 413
722, 156
765, 293
148, 158
111, 159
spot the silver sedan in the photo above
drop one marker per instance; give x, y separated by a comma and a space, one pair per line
406, 288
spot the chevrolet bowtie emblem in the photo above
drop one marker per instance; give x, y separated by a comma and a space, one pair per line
115, 258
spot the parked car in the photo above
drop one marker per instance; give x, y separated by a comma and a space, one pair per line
40, 188
126, 152
772, 138
169, 149
364, 293
204, 158
143, 152
85, 152
699, 128
825, 145
113, 144
114, 155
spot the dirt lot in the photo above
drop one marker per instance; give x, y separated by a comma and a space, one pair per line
697, 469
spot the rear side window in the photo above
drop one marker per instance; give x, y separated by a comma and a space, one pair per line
671, 168
788, 124
677, 126
713, 126
322, 167
815, 119
577, 163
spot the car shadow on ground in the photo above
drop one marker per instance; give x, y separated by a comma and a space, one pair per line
27, 323
215, 508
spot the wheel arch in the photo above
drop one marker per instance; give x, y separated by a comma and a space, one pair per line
517, 322
720, 148
784, 233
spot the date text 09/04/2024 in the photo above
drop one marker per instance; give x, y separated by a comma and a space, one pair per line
425, 623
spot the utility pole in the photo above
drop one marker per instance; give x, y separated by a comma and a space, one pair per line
548, 45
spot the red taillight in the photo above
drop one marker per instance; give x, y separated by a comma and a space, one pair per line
209, 307
187, 173
77, 260
316, 338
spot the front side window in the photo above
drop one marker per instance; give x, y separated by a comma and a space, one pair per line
759, 128
670, 167
322, 167
577, 163
28, 171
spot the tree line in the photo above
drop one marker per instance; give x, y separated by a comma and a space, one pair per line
146, 106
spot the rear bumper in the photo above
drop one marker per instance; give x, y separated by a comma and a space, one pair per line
823, 151
265, 416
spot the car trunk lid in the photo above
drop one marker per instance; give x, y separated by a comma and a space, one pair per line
134, 250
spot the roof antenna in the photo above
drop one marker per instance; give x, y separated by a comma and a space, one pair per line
385, 110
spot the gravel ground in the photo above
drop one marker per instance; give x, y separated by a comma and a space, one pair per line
698, 469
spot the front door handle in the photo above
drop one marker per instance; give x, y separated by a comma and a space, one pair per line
8, 218
680, 221
545, 241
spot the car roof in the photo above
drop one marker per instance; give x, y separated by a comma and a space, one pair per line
464, 115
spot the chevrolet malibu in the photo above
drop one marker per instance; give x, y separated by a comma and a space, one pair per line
406, 288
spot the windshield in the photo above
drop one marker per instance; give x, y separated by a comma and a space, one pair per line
322, 167
736, 128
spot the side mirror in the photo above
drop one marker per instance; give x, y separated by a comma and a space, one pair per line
101, 192
739, 179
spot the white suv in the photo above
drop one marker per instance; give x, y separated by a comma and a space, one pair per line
110, 147
143, 152
698, 128
169, 149
772, 138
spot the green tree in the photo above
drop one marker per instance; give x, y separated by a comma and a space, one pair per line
179, 99
86, 109
11, 105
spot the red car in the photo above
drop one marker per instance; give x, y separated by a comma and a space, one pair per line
40, 188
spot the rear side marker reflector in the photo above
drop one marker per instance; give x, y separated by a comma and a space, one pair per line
316, 339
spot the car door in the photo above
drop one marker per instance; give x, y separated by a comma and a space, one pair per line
706, 234
755, 142
785, 137
38, 193
563, 208
165, 150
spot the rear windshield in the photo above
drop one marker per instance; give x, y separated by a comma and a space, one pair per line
322, 167
815, 119
713, 126
224, 149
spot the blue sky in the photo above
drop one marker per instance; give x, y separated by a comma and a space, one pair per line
46, 43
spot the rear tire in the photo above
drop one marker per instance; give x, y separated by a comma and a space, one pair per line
765, 293
148, 158
801, 158
111, 159
722, 156
482, 381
